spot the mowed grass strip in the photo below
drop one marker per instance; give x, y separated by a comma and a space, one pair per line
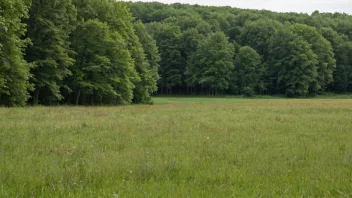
180, 147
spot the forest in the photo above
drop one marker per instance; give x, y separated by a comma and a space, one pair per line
90, 52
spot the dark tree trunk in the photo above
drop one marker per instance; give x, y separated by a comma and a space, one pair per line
69, 99
36, 96
92, 100
78, 96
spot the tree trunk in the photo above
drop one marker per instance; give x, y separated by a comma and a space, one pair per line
36, 96
69, 100
77, 97
92, 100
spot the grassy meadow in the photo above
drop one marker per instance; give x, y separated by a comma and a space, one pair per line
179, 147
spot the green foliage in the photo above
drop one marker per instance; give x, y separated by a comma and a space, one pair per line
211, 65
174, 49
104, 68
342, 47
48, 27
142, 76
294, 64
329, 70
151, 58
248, 73
191, 38
168, 39
248, 92
258, 34
324, 51
14, 70
343, 73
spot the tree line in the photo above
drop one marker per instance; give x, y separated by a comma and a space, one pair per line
74, 52
107, 52
212, 50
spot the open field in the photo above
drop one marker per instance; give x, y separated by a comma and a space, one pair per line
179, 147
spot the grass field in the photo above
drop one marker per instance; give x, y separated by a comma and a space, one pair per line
179, 147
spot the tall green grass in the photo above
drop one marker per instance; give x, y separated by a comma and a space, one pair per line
180, 147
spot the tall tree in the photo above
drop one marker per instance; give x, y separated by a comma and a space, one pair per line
342, 47
14, 70
119, 19
293, 64
172, 64
104, 69
323, 49
49, 26
212, 63
248, 73
191, 39
343, 72
152, 58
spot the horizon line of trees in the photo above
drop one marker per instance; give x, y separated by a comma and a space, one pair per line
107, 52
212, 50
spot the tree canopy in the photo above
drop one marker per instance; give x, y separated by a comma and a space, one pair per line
294, 54
14, 69
90, 52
